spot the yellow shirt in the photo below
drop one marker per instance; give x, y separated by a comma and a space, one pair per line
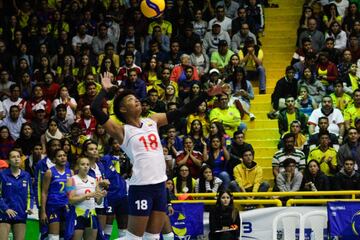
350, 113
317, 154
341, 102
166, 27
204, 121
115, 58
323, 73
290, 118
230, 118
250, 65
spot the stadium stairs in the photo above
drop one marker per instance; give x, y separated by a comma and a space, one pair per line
278, 44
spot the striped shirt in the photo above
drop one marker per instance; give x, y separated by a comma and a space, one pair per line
281, 155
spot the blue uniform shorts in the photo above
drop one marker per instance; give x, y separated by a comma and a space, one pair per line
147, 198
56, 213
121, 207
5, 219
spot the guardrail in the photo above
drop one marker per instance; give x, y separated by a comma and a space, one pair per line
291, 202
276, 202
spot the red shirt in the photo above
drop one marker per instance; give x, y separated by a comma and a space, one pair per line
194, 169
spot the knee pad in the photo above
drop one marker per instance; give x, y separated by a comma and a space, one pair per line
108, 229
53, 237
122, 233
130, 236
168, 236
151, 236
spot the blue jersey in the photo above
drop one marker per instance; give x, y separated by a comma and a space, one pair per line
117, 188
40, 169
16, 193
57, 191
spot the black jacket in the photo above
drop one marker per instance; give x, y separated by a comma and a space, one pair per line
219, 218
282, 89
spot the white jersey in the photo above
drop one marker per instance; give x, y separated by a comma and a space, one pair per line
98, 178
142, 145
82, 188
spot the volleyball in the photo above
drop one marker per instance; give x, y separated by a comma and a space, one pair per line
152, 8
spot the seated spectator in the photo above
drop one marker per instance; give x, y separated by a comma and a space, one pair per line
351, 80
200, 26
183, 181
172, 141
333, 53
217, 129
340, 99
249, 175
229, 116
5, 84
52, 132
325, 155
202, 116
305, 103
134, 83
352, 111
6, 142
84, 68
89, 80
290, 179
65, 98
256, 12
14, 99
224, 216
327, 71
309, 62
334, 115
157, 35
81, 38
186, 85
344, 64
111, 54
347, 178
178, 72
315, 88
150, 74
39, 122
251, 56
314, 179
191, 158
229, 70
217, 159
213, 37
350, 149
14, 122
289, 151
354, 46
221, 57
62, 120
323, 124
27, 139
165, 26
236, 150
103, 37
196, 133
331, 16
238, 39
299, 54
156, 105
50, 88
286, 86
154, 50
200, 60
173, 56
317, 37
87, 121
107, 65
207, 182
351, 16
289, 114
101, 137
130, 36
242, 18
339, 35
300, 138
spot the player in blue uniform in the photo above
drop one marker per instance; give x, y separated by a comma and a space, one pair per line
16, 198
140, 140
117, 191
41, 167
97, 171
54, 199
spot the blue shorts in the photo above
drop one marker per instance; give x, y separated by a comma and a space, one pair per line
147, 198
121, 207
82, 222
56, 213
101, 211
5, 219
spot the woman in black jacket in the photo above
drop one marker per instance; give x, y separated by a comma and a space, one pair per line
314, 179
224, 218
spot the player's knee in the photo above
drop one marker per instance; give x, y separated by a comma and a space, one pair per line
168, 236
151, 236
130, 236
53, 237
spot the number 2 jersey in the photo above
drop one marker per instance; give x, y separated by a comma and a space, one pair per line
57, 192
142, 145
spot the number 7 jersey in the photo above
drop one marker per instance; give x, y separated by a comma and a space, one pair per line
142, 145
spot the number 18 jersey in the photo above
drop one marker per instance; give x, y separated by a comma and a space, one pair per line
142, 145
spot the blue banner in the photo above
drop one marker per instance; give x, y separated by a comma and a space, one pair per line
344, 220
187, 221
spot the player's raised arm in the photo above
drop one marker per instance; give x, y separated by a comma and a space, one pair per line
163, 119
108, 89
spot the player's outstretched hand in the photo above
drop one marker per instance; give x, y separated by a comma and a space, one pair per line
216, 90
106, 80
